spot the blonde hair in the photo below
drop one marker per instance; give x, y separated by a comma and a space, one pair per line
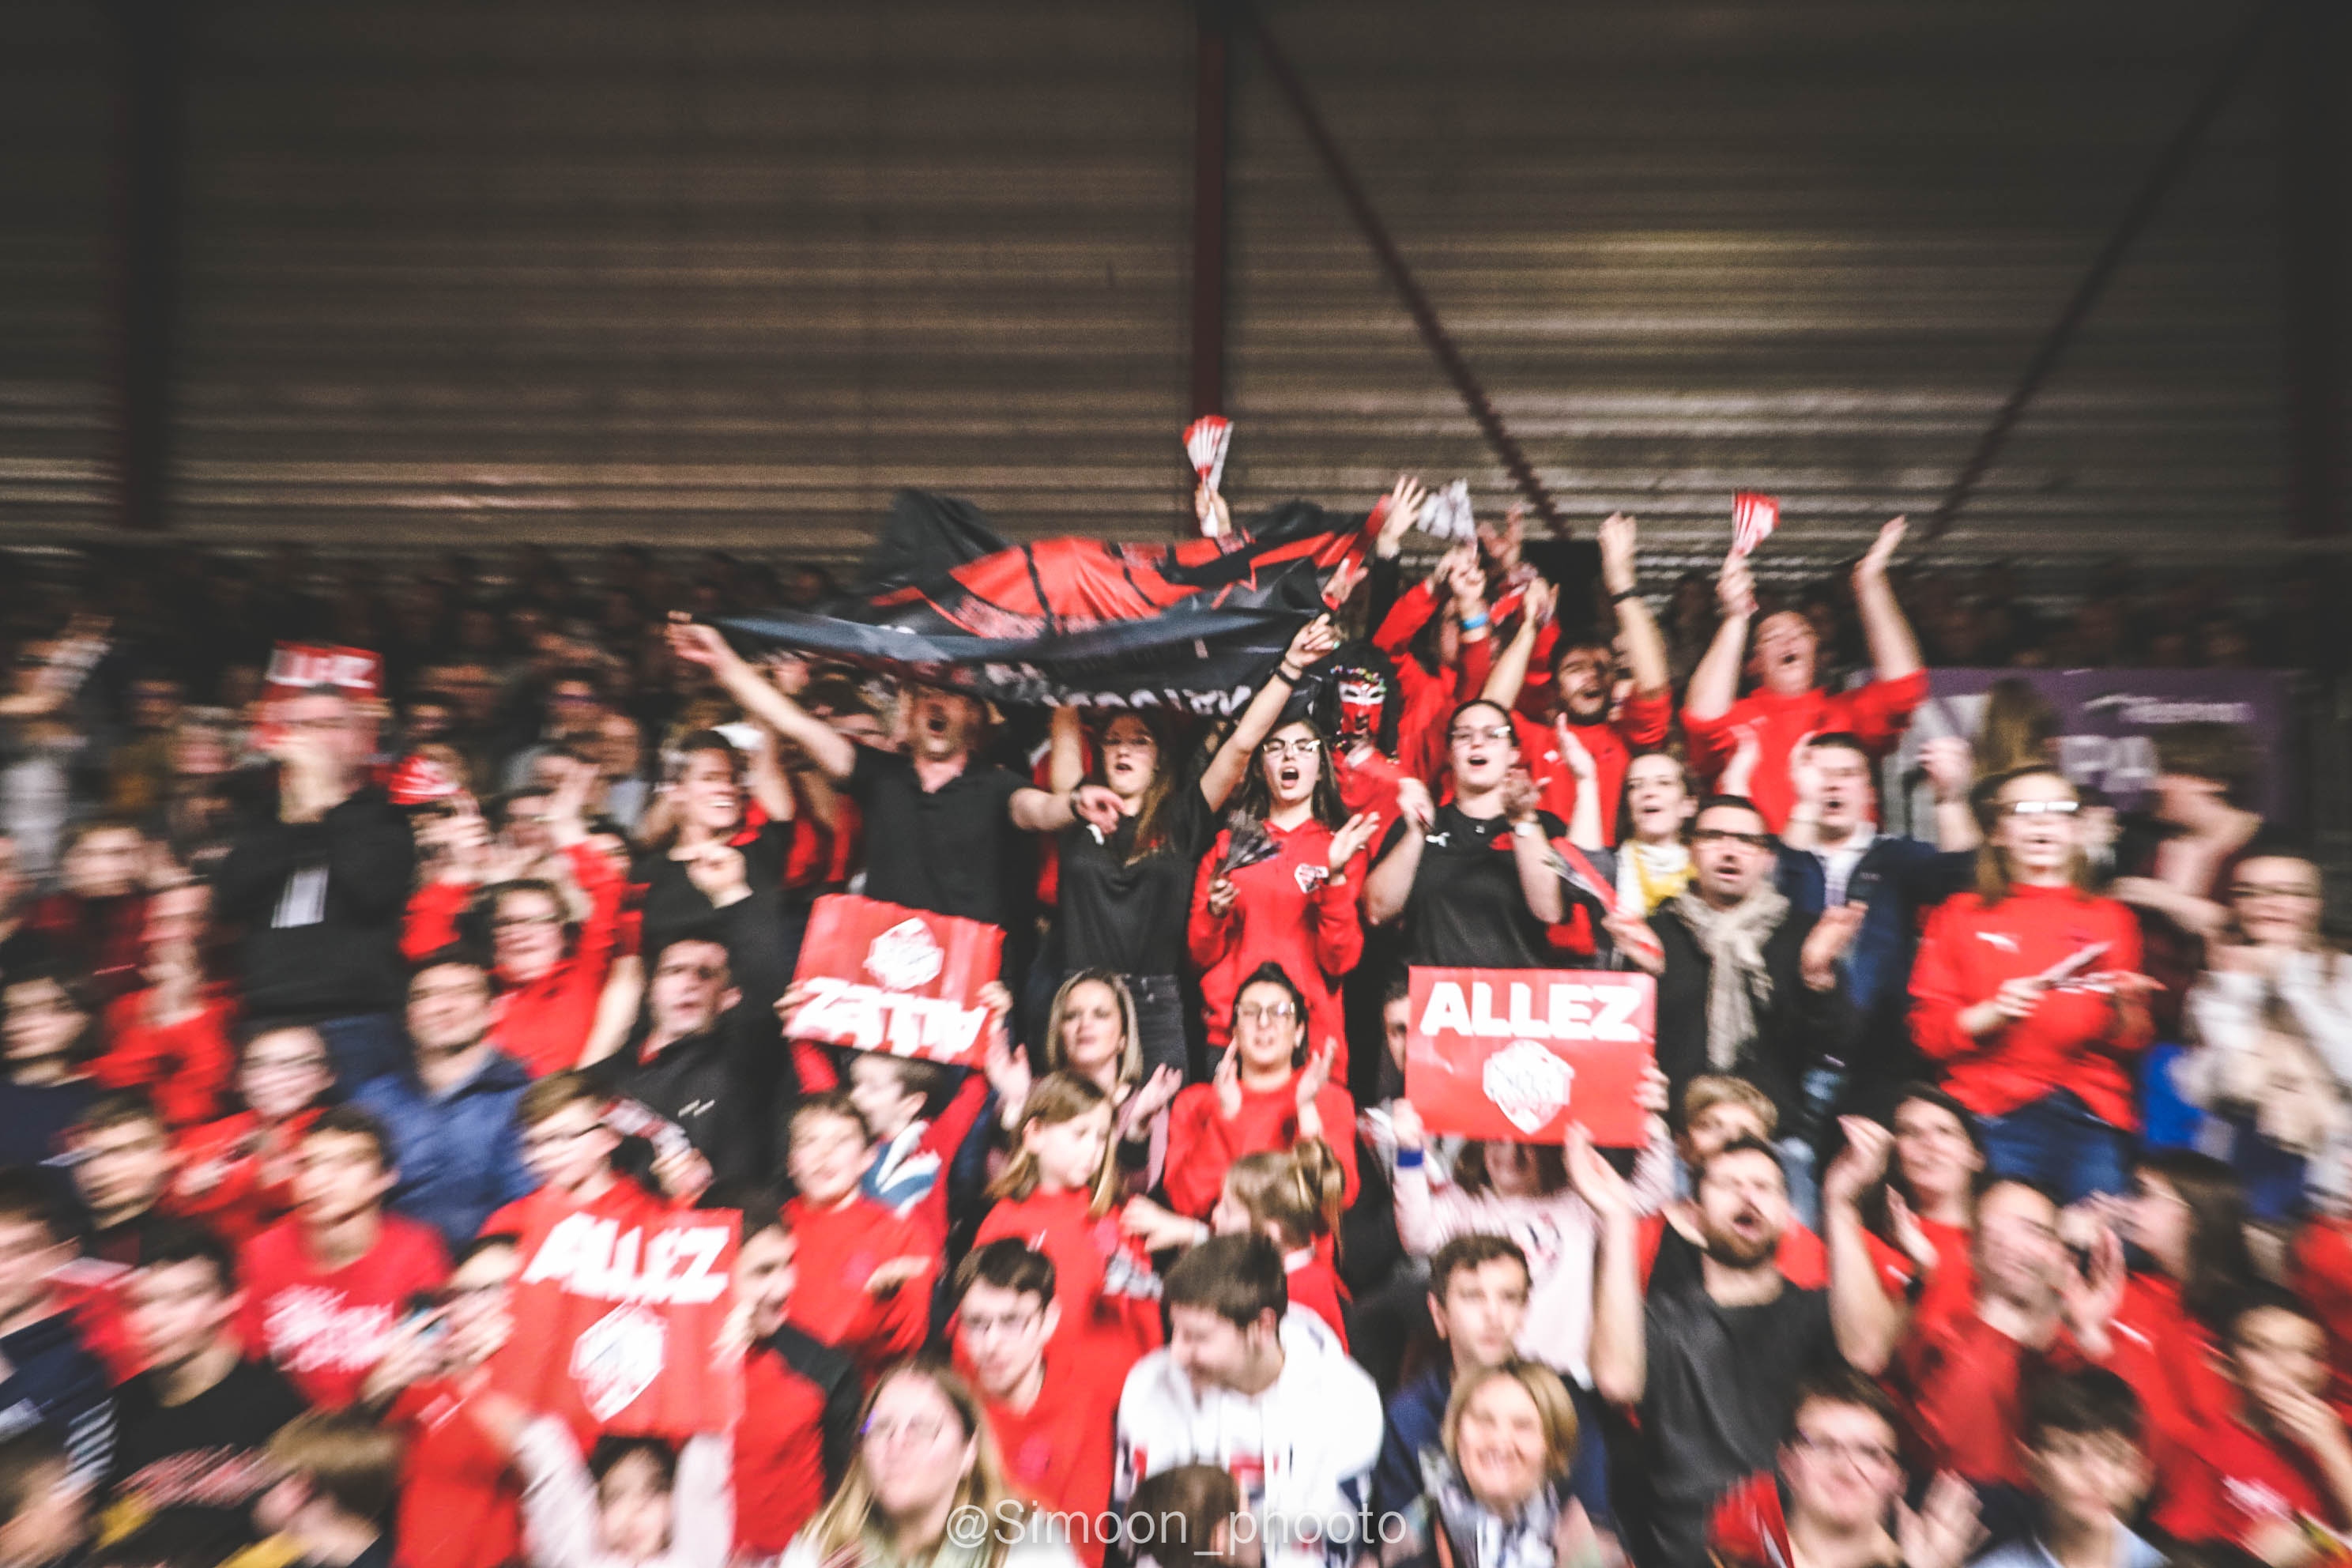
1130, 1055
1298, 1191
344, 1457
1707, 1090
840, 1528
1553, 1408
1053, 1100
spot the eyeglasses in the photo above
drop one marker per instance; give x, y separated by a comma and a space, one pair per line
1011, 1323
1272, 1012
1305, 747
519, 922
1862, 1456
1495, 735
1724, 835
921, 1432
2040, 808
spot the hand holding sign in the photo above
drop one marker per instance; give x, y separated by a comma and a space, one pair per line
881, 977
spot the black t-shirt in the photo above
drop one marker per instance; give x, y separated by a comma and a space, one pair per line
1467, 907
189, 1473
941, 850
1717, 1399
1130, 919
673, 907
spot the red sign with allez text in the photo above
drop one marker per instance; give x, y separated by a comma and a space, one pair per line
882, 977
616, 1324
1521, 1055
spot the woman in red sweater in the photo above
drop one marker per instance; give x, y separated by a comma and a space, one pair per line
1279, 885
1269, 1092
2028, 990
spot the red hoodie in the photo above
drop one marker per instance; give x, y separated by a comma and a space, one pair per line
1103, 1283
543, 1023
836, 1250
1876, 714
1289, 910
2073, 1039
1202, 1144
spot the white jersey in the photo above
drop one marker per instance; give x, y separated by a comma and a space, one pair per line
1302, 1452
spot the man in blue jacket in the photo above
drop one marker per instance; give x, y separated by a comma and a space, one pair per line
451, 1115
1832, 853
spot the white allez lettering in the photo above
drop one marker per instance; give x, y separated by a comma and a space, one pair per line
595, 1258
873, 1019
1571, 1012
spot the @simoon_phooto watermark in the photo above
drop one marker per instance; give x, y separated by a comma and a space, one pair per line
1012, 1522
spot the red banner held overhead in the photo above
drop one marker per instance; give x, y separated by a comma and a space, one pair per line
1521, 1055
296, 668
616, 1324
882, 977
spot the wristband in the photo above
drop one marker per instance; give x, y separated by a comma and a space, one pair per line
1477, 626
1290, 677
1619, 598
1411, 1159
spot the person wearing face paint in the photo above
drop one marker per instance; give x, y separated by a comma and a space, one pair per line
2028, 991
1746, 983
1295, 906
1832, 855
1126, 891
1475, 881
1582, 751
1786, 705
938, 821
1713, 1368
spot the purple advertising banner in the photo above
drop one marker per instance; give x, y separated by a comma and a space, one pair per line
2107, 719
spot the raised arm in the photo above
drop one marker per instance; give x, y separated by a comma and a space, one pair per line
1391, 882
1066, 754
1620, 1352
1715, 684
1868, 1324
1510, 672
1314, 640
1531, 852
1893, 651
826, 747
1645, 646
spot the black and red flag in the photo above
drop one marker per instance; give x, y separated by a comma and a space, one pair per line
1192, 626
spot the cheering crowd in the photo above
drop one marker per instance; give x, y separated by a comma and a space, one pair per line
1991, 1203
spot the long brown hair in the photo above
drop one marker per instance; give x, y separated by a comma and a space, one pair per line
1471, 1176
1993, 882
839, 1529
1151, 812
1255, 797
1053, 1100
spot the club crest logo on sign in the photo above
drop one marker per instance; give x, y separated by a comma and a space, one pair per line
905, 957
1527, 1084
616, 1359
1523, 1055
880, 977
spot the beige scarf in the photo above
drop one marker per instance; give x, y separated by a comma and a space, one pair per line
1738, 982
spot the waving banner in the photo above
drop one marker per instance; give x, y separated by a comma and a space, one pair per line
616, 1323
1192, 626
882, 977
1521, 1055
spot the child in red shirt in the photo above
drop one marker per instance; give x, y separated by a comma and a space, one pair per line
1059, 1195
1270, 1091
325, 1287
1052, 1414
1293, 1197
863, 1275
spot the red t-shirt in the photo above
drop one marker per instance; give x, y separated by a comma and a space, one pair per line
1876, 714
1202, 1144
1285, 910
779, 1459
325, 1328
460, 1504
1640, 724
1058, 1452
836, 1250
184, 1066
2253, 1480
2073, 1039
1103, 1283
